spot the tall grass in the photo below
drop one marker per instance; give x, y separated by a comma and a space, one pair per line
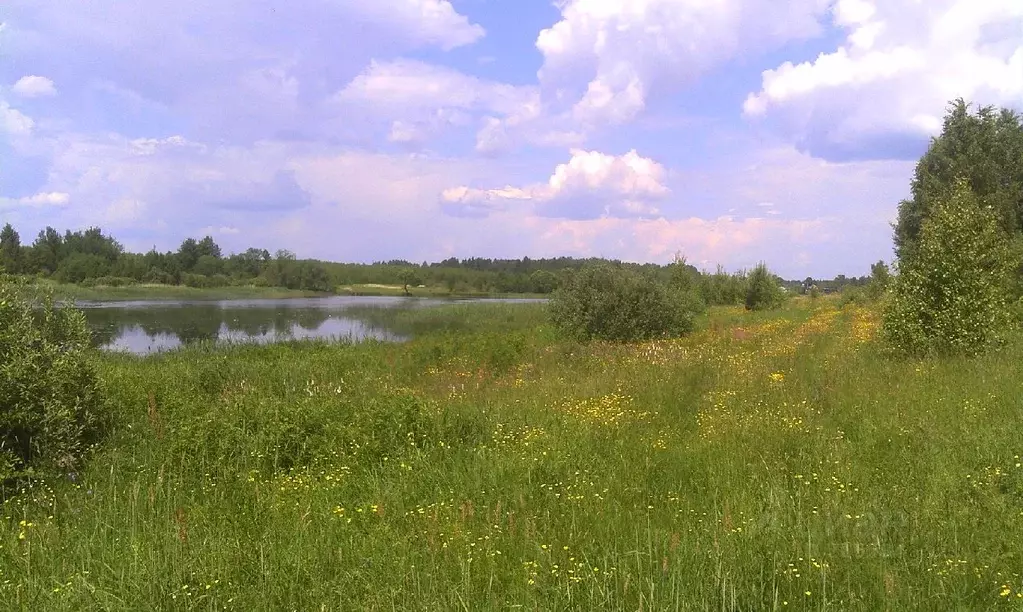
767, 462
469, 317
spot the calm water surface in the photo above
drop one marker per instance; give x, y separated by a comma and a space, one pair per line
144, 327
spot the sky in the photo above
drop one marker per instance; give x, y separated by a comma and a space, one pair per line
730, 131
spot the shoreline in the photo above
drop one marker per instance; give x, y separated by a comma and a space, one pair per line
155, 292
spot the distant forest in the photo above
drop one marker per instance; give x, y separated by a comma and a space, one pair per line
93, 258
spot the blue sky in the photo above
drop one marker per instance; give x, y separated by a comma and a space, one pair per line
732, 131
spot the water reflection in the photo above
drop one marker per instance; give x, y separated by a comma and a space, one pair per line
144, 327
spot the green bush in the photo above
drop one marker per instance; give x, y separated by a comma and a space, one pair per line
156, 275
81, 266
51, 405
951, 295
113, 281
219, 280
856, 295
197, 281
880, 281
762, 291
610, 303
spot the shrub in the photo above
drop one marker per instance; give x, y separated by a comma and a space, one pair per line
951, 293
81, 266
51, 404
762, 291
610, 303
219, 280
880, 280
156, 275
113, 281
197, 281
856, 295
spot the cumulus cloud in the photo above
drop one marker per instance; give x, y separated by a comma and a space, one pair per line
419, 99
269, 74
736, 243
276, 194
434, 22
13, 121
590, 185
883, 91
623, 50
34, 87
138, 183
39, 200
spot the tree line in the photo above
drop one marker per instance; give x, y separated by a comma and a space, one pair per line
92, 257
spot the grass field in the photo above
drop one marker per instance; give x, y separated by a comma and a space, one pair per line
767, 462
421, 291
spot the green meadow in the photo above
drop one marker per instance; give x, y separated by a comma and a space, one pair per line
768, 461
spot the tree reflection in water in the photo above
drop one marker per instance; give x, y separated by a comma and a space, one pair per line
148, 328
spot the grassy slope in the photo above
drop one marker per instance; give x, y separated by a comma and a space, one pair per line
425, 291
767, 462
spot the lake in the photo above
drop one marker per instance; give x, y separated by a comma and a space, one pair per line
148, 326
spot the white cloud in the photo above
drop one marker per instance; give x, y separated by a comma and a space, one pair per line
161, 187
591, 184
433, 21
736, 243
150, 146
210, 230
34, 87
13, 121
39, 200
902, 61
623, 50
215, 26
420, 99
268, 75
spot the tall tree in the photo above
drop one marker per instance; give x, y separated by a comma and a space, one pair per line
188, 254
47, 250
986, 149
10, 250
209, 248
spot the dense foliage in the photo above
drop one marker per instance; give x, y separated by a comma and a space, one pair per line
985, 149
51, 403
762, 290
606, 302
951, 294
959, 238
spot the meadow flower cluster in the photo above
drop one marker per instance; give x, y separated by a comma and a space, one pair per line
726, 413
610, 410
787, 344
